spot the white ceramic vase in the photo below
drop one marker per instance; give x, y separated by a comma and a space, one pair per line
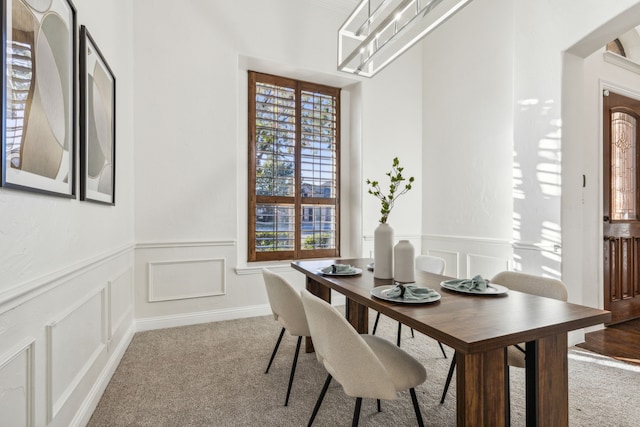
383, 251
404, 262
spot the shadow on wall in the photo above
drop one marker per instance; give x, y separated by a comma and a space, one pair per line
537, 190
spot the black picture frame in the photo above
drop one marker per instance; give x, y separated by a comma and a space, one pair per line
38, 124
97, 124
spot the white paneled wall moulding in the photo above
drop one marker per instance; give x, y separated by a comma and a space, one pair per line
468, 239
120, 301
538, 246
257, 269
185, 244
397, 237
75, 339
451, 258
487, 266
379, 31
189, 278
18, 295
17, 406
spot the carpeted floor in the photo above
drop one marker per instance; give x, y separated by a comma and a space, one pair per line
213, 375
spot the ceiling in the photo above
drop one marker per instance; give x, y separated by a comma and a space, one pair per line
345, 6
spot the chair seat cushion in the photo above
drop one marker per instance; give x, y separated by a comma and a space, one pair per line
405, 371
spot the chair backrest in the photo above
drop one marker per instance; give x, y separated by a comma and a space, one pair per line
530, 284
344, 353
430, 264
286, 304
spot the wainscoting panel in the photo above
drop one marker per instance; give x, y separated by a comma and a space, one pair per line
55, 357
191, 278
183, 281
17, 387
120, 300
541, 259
368, 243
486, 266
74, 341
452, 261
469, 256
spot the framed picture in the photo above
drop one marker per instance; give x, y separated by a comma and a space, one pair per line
97, 124
38, 96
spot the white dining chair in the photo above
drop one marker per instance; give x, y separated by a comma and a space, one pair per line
287, 309
430, 264
366, 366
526, 283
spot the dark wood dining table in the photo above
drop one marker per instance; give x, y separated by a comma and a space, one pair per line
479, 328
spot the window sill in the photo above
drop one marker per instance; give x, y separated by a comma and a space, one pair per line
277, 266
256, 268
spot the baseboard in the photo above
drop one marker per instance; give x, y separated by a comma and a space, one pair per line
83, 415
186, 319
176, 320
575, 337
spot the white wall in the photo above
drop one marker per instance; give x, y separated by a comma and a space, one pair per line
584, 77
468, 139
492, 108
597, 74
66, 268
582, 81
191, 145
454, 112
544, 31
391, 127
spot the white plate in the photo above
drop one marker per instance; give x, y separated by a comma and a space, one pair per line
492, 289
378, 292
353, 272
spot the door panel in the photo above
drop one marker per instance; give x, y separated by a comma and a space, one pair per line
621, 119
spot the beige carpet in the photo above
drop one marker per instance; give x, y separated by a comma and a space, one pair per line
213, 375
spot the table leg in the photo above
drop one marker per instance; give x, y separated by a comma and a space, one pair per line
320, 291
482, 389
358, 316
547, 380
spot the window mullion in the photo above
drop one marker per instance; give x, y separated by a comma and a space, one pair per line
298, 174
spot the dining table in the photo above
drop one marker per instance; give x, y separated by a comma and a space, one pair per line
479, 327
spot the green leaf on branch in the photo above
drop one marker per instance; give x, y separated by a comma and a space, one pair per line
395, 176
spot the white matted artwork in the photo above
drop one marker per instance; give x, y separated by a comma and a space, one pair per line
97, 124
38, 121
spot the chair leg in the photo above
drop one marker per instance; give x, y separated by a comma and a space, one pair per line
319, 402
399, 333
416, 407
442, 349
452, 367
375, 324
412, 334
275, 349
293, 370
379, 406
356, 412
508, 391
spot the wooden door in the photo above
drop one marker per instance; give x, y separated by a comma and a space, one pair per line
621, 206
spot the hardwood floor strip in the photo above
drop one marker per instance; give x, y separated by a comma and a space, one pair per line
620, 341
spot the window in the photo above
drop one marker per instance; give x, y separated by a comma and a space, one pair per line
615, 46
624, 180
294, 148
